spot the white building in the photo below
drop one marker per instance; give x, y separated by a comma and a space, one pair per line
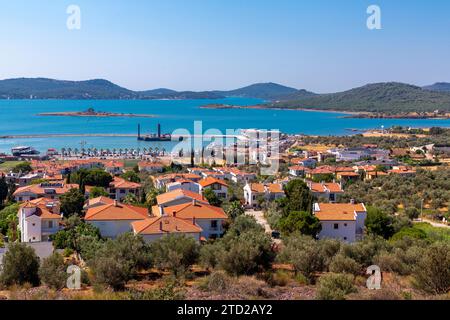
184, 185
219, 187
341, 221
38, 220
209, 218
254, 191
114, 219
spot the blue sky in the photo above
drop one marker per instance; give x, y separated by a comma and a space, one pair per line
320, 45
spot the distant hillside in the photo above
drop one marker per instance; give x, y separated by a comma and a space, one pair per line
439, 86
265, 91
388, 97
42, 88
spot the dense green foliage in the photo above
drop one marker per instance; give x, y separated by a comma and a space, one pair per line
74, 234
389, 97
20, 266
92, 177
53, 271
175, 253
72, 203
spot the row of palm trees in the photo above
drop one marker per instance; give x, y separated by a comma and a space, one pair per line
94, 152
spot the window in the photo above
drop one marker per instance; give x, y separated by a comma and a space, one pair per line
336, 226
345, 238
20, 198
214, 225
50, 224
345, 224
122, 191
34, 224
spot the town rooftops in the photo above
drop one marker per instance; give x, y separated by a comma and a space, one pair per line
116, 211
192, 210
120, 183
209, 181
177, 194
331, 187
44, 208
270, 187
46, 188
164, 225
338, 211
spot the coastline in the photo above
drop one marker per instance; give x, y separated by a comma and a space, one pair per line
348, 114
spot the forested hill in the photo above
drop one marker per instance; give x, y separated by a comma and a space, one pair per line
390, 98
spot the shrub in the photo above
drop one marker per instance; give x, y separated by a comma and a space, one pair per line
279, 278
390, 262
20, 266
343, 264
175, 253
304, 254
247, 254
209, 255
432, 273
117, 261
110, 272
411, 233
217, 281
379, 223
335, 286
53, 271
300, 221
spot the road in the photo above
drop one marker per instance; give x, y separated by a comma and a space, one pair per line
435, 224
259, 216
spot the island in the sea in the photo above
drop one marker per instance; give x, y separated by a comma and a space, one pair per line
92, 113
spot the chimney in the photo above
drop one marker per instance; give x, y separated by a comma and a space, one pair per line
174, 214
116, 203
352, 201
161, 211
194, 202
56, 209
194, 221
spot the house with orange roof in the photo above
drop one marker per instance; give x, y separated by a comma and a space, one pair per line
150, 167
219, 187
179, 196
119, 188
255, 191
154, 228
43, 190
39, 219
297, 171
209, 218
346, 177
403, 171
342, 221
327, 191
370, 175
319, 171
183, 184
99, 201
161, 181
213, 174
114, 219
114, 167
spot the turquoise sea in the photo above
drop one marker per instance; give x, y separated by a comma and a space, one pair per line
18, 117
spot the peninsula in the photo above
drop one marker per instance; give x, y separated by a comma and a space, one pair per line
92, 113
